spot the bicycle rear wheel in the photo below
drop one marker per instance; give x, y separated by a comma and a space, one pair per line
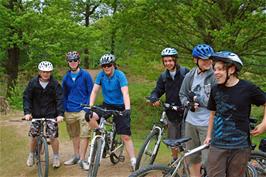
117, 149
149, 150
42, 157
95, 158
156, 170
258, 161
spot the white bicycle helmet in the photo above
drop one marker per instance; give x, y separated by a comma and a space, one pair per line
169, 52
45, 66
228, 57
107, 59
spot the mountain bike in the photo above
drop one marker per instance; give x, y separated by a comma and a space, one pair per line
151, 145
178, 168
105, 142
41, 153
257, 157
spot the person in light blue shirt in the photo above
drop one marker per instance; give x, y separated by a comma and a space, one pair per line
114, 86
196, 88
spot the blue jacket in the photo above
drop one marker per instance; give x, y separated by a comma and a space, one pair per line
78, 92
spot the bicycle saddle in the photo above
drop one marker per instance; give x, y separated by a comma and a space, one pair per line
175, 142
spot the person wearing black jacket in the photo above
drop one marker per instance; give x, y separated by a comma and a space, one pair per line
43, 98
169, 83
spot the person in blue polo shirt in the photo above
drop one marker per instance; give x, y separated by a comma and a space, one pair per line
114, 86
77, 86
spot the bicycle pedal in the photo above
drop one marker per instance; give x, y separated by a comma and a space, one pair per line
121, 158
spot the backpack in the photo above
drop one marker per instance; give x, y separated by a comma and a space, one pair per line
183, 72
262, 145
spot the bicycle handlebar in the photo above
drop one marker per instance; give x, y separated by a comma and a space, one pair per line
102, 110
166, 106
40, 119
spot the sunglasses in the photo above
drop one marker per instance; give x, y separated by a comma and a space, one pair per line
107, 65
75, 60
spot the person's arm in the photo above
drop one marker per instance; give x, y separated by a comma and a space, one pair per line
27, 101
126, 97
261, 128
94, 93
59, 103
210, 127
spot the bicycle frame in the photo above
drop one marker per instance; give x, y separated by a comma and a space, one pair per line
181, 159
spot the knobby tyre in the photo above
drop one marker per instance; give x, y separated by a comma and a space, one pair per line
251, 171
156, 170
96, 158
258, 161
117, 149
42, 157
148, 151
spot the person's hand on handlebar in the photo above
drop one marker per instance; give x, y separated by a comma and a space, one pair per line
28, 117
126, 112
59, 119
88, 114
156, 103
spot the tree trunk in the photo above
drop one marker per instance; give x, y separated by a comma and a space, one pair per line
86, 50
12, 68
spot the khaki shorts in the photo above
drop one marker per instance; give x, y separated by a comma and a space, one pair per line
77, 125
198, 135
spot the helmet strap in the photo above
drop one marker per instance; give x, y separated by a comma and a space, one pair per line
74, 69
201, 70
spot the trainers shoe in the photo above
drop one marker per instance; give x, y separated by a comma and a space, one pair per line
56, 162
30, 160
72, 161
84, 165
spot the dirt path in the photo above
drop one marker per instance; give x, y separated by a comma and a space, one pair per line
21, 129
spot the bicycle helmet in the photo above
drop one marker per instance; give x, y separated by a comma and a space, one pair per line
45, 66
228, 57
202, 51
73, 55
169, 52
107, 59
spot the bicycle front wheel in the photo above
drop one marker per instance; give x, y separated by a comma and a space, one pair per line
258, 161
149, 150
42, 157
117, 149
95, 158
251, 171
156, 170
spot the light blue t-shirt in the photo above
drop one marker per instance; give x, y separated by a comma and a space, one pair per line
111, 86
202, 91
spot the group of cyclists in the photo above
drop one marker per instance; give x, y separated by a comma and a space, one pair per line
220, 105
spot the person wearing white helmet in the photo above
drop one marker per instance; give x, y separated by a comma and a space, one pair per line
77, 86
230, 105
43, 98
114, 86
169, 83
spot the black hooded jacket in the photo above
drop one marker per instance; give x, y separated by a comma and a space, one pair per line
41, 102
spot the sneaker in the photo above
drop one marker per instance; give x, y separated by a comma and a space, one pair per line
84, 165
133, 167
56, 162
72, 161
30, 160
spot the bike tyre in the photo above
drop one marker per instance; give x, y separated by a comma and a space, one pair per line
258, 160
152, 135
155, 170
116, 142
96, 158
251, 171
42, 160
